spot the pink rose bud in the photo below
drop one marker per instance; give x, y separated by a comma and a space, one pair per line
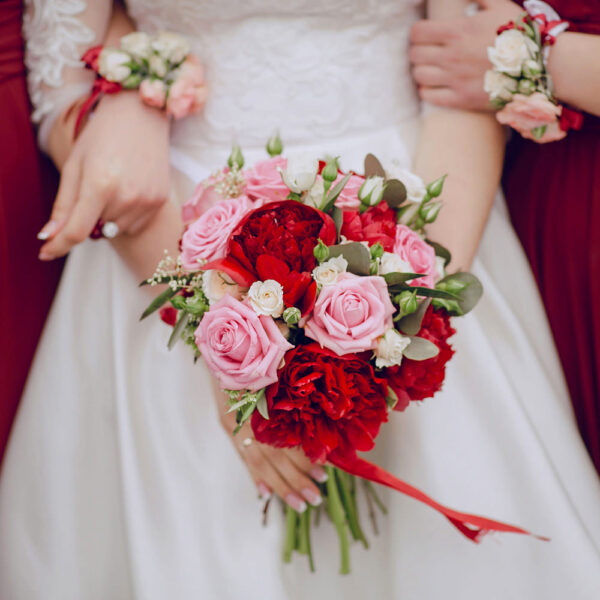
153, 92
415, 251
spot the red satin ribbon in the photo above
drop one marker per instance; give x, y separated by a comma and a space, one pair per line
570, 119
547, 26
471, 526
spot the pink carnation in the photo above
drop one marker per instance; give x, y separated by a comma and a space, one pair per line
206, 238
348, 199
264, 182
240, 348
350, 315
411, 248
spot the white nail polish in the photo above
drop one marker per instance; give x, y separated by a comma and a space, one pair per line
313, 497
263, 491
319, 474
296, 503
43, 235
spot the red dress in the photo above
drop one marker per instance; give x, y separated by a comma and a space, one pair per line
27, 189
553, 195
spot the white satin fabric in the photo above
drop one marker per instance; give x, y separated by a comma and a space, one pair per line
120, 484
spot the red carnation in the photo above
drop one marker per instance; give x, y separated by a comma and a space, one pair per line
378, 224
276, 241
323, 402
417, 380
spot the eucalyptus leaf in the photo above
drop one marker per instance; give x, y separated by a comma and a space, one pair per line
432, 293
261, 406
184, 317
338, 218
469, 296
400, 278
420, 349
373, 167
358, 257
334, 192
158, 302
441, 251
391, 398
394, 193
411, 324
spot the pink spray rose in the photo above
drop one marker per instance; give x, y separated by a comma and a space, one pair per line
205, 196
409, 246
351, 315
188, 92
525, 113
153, 92
206, 238
348, 199
264, 182
241, 349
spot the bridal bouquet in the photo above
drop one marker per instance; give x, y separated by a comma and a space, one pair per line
317, 301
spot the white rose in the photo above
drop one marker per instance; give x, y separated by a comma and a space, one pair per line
158, 66
371, 190
499, 85
113, 64
511, 50
390, 349
315, 194
216, 284
300, 173
327, 272
415, 188
171, 46
137, 44
392, 263
266, 298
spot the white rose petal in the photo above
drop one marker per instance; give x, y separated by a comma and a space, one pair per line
315, 194
300, 173
137, 44
113, 64
511, 50
415, 188
327, 272
266, 298
390, 349
216, 284
171, 46
499, 85
392, 263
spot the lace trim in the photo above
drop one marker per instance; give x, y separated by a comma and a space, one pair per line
52, 33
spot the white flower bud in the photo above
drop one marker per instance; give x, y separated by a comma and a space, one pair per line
371, 191
171, 47
137, 44
327, 272
440, 267
390, 349
216, 284
300, 173
114, 64
314, 197
158, 66
531, 68
499, 85
266, 298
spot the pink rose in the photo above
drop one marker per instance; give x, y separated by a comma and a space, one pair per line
206, 238
153, 92
205, 196
350, 315
348, 199
264, 182
241, 349
188, 93
525, 113
409, 246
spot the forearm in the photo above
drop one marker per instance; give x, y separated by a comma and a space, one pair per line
469, 147
575, 69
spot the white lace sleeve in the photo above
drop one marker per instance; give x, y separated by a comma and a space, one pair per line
56, 34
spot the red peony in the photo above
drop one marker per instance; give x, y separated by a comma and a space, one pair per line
417, 380
323, 402
276, 241
378, 224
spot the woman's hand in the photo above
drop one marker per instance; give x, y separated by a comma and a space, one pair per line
117, 170
449, 56
287, 473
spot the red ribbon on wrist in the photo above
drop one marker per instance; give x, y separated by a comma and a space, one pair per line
473, 527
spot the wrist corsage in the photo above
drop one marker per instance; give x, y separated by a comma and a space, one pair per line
160, 67
519, 83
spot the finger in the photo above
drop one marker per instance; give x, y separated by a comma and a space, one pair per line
426, 54
431, 32
302, 462
65, 199
299, 481
441, 96
431, 76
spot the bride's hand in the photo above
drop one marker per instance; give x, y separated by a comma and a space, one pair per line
287, 473
117, 170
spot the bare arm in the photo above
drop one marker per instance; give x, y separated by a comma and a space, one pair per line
469, 147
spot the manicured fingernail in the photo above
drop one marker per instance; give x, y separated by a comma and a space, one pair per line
263, 491
296, 503
45, 256
313, 497
47, 230
319, 474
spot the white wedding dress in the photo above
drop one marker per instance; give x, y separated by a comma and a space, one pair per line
119, 483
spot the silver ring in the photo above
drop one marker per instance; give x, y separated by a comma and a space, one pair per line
110, 230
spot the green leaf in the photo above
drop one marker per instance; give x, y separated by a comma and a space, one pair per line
338, 218
358, 257
184, 317
441, 251
400, 278
164, 279
420, 349
373, 167
431, 293
394, 193
391, 399
334, 193
538, 132
158, 302
411, 324
261, 405
469, 296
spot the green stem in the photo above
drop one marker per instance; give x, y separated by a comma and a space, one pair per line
371, 490
337, 514
291, 520
305, 546
350, 506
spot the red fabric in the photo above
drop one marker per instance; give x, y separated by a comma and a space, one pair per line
27, 188
553, 194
